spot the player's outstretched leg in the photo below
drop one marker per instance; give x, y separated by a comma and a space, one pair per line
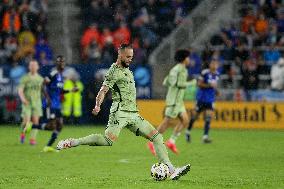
91, 140
163, 157
162, 128
146, 130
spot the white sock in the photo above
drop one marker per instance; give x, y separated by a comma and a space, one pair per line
171, 167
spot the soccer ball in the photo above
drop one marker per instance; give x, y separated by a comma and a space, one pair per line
160, 171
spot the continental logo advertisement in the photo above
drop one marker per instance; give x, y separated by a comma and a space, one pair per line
268, 115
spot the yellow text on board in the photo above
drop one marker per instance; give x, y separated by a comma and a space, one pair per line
268, 115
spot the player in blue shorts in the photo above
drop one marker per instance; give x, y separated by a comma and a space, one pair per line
205, 97
54, 91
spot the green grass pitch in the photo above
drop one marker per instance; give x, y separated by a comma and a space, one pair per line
236, 159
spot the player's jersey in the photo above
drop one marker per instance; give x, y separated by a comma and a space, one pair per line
32, 85
207, 94
121, 82
55, 88
176, 81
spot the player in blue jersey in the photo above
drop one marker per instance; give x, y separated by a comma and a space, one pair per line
54, 91
205, 97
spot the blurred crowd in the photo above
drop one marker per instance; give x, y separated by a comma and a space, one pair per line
22, 32
107, 23
252, 45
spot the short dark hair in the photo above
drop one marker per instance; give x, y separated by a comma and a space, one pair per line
60, 58
181, 54
125, 46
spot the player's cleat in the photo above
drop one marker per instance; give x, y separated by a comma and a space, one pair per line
67, 143
28, 127
151, 148
49, 149
22, 138
32, 141
187, 137
172, 146
206, 139
180, 171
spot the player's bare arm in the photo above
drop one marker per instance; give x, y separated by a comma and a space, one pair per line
22, 96
99, 99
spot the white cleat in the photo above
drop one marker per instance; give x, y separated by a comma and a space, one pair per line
67, 143
180, 171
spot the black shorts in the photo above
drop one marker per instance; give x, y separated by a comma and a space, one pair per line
202, 106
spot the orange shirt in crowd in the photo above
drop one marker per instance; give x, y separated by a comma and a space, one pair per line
247, 21
89, 35
121, 35
15, 26
261, 26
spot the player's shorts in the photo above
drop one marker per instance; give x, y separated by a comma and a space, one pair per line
132, 121
174, 111
202, 106
55, 113
31, 110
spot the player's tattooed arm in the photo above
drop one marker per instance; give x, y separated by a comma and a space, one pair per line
99, 99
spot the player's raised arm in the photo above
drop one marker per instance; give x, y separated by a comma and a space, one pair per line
99, 99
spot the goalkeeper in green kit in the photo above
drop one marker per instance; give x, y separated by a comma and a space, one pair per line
124, 113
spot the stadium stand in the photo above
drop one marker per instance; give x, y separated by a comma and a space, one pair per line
144, 23
23, 35
247, 48
248, 44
